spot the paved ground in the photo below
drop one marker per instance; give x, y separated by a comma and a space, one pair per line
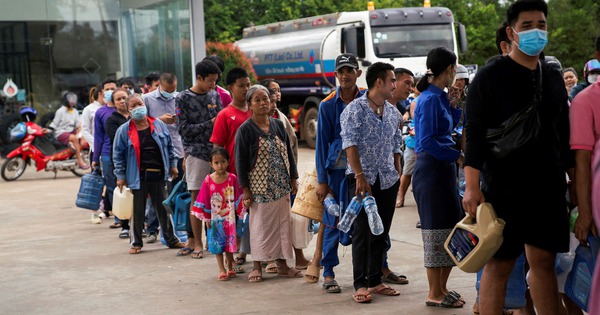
54, 261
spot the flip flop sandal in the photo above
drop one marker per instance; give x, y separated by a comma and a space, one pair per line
450, 302
291, 273
255, 276
223, 277
385, 290
197, 255
135, 250
395, 278
366, 297
240, 260
115, 225
312, 274
303, 267
238, 269
231, 274
272, 268
331, 286
457, 296
185, 251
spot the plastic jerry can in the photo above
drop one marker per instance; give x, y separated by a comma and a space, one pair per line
122, 203
579, 280
90, 191
181, 212
473, 242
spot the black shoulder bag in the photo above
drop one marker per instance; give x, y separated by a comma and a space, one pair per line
519, 129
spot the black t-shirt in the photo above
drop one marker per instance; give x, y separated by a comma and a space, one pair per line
150, 156
499, 90
112, 123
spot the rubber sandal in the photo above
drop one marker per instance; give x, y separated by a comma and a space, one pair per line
238, 269
366, 297
330, 286
231, 274
384, 289
395, 278
303, 267
197, 255
223, 277
240, 260
255, 276
116, 225
135, 250
312, 274
185, 251
177, 245
272, 268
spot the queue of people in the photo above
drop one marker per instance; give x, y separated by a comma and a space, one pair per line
238, 156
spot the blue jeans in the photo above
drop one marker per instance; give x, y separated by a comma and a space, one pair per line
110, 180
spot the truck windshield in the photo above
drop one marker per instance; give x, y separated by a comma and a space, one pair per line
410, 40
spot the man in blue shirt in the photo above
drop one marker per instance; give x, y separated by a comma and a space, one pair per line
372, 139
330, 162
161, 105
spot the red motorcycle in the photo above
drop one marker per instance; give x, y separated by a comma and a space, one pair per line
46, 154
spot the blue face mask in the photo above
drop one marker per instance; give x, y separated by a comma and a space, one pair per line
139, 113
166, 94
108, 96
532, 42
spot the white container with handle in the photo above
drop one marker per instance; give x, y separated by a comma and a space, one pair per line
122, 203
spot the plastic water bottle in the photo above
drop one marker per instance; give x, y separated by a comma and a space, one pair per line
573, 218
461, 182
351, 214
375, 223
331, 205
564, 262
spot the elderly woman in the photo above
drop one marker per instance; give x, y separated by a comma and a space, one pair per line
143, 159
267, 173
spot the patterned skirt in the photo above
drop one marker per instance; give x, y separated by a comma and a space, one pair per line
436, 195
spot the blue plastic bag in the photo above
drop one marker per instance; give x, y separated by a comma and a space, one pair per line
18, 132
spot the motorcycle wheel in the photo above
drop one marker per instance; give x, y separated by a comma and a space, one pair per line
85, 155
13, 168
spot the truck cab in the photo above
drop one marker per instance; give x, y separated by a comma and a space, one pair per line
300, 54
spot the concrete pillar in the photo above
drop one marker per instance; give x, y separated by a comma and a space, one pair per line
197, 33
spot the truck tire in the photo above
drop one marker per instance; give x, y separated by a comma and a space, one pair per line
6, 125
46, 120
309, 127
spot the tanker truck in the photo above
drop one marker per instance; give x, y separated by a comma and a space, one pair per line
300, 54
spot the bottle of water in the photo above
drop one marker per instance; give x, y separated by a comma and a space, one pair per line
351, 214
375, 223
573, 218
461, 181
331, 205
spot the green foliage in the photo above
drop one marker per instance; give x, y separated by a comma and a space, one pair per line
572, 24
232, 57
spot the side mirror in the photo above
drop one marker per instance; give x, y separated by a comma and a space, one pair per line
353, 40
462, 37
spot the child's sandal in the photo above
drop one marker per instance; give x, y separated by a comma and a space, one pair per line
223, 277
231, 274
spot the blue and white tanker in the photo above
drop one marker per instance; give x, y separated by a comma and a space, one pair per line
301, 53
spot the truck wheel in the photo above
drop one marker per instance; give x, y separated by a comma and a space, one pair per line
7, 124
13, 168
310, 127
46, 120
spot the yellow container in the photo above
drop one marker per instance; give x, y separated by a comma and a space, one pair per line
473, 242
306, 203
122, 203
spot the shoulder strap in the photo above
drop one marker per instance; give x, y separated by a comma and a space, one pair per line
537, 97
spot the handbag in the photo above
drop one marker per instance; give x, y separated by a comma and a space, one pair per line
519, 129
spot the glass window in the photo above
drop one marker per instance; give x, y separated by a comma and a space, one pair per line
156, 38
410, 40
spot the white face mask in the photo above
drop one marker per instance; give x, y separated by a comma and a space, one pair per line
592, 78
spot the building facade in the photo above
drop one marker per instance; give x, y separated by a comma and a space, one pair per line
49, 47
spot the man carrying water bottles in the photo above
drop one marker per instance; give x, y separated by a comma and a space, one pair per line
372, 139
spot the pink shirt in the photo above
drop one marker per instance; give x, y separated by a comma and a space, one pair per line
224, 95
585, 135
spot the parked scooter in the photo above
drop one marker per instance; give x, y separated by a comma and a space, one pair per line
46, 154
